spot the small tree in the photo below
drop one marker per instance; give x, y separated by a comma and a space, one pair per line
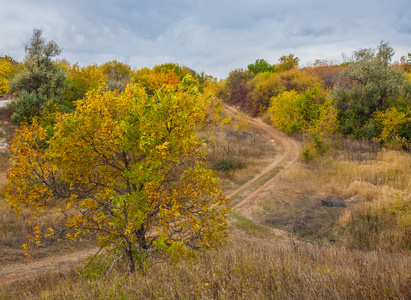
264, 86
320, 133
8, 69
118, 74
128, 168
80, 80
41, 80
287, 62
236, 88
260, 66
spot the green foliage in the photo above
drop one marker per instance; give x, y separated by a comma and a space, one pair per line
287, 62
260, 66
319, 134
227, 164
369, 84
40, 81
27, 107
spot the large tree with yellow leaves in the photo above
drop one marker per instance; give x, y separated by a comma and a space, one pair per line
128, 168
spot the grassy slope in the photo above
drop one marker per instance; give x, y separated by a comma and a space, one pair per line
257, 264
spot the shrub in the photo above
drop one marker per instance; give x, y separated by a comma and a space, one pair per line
227, 164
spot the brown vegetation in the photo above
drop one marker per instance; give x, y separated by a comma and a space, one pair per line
247, 268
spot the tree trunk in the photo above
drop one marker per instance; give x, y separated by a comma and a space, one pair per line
130, 258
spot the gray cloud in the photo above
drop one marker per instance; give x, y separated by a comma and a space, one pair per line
211, 36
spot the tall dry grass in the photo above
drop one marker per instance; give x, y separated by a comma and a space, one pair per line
374, 184
246, 268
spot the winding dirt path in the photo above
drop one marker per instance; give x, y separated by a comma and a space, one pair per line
288, 155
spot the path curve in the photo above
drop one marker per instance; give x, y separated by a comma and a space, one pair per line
288, 155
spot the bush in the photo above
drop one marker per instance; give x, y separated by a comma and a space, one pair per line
227, 164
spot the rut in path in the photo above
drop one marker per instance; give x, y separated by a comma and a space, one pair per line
288, 155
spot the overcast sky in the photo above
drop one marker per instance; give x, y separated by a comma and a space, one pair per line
214, 36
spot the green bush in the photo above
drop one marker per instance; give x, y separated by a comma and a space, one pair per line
227, 164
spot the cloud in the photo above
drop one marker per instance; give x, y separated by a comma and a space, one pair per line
211, 36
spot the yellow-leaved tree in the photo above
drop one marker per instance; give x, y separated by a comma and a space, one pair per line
8, 69
129, 169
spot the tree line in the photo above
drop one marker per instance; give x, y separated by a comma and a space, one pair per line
368, 97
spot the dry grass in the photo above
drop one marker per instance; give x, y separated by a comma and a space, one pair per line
249, 148
374, 184
247, 268
255, 263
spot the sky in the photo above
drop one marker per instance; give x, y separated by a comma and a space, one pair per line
213, 36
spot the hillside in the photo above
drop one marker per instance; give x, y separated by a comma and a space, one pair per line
264, 257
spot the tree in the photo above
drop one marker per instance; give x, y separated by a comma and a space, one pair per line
8, 69
285, 113
394, 125
299, 80
80, 80
320, 133
260, 66
129, 169
325, 70
368, 84
292, 112
237, 89
118, 74
41, 80
264, 86
156, 78
287, 62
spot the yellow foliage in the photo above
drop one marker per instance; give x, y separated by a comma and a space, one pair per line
300, 80
8, 70
80, 80
132, 167
391, 122
319, 134
285, 113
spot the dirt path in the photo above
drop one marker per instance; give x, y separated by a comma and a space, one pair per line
243, 200
243, 203
13, 272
